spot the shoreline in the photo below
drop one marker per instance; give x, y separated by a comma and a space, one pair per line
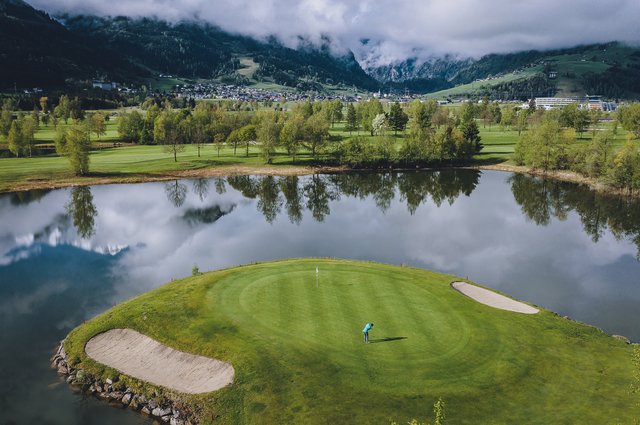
163, 408
279, 170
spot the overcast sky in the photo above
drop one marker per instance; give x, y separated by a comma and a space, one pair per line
397, 28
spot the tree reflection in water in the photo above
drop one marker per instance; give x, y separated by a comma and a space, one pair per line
82, 211
541, 200
176, 193
315, 193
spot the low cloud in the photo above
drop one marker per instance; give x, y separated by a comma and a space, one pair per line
396, 29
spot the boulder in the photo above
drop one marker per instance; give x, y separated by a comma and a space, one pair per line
116, 395
126, 399
175, 421
153, 404
622, 338
166, 418
160, 412
62, 370
109, 381
146, 410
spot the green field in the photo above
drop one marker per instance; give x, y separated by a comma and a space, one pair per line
299, 357
139, 162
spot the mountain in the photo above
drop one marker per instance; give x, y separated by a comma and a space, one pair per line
36, 50
609, 69
39, 50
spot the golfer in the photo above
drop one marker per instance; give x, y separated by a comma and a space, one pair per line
365, 331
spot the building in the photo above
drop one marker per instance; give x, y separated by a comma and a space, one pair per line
557, 102
104, 85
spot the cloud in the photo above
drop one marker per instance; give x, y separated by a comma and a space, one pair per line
398, 29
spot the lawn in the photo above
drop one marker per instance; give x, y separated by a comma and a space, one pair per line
296, 345
136, 162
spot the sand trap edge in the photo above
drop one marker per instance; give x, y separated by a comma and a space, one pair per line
141, 357
493, 299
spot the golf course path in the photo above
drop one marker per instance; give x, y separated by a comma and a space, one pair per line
493, 299
137, 355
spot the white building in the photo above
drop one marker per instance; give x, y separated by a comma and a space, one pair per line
104, 85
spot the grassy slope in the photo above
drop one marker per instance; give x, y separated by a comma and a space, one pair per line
478, 87
569, 67
299, 357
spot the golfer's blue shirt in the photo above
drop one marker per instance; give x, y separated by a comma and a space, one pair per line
367, 327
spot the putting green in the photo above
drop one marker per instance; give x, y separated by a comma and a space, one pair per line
296, 346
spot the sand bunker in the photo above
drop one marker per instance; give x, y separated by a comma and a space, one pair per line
493, 299
139, 356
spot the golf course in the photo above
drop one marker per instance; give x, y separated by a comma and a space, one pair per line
294, 340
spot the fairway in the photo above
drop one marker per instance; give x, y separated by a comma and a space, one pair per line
297, 348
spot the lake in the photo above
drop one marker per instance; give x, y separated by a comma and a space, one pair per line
69, 254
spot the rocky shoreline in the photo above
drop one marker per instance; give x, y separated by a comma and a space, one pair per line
159, 407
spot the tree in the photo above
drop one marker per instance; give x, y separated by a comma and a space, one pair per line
62, 110
468, 112
97, 124
202, 125
379, 124
268, 135
352, 118
592, 159
166, 132
28, 129
334, 111
397, 118
234, 139
496, 113
316, 133
508, 118
629, 117
75, 110
594, 119
421, 115
6, 117
74, 144
368, 111
15, 140
131, 126
247, 134
625, 172
292, 134
44, 104
545, 147
522, 122
485, 111
218, 140
471, 134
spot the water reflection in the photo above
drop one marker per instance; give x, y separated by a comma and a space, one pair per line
316, 192
66, 255
542, 199
82, 211
176, 193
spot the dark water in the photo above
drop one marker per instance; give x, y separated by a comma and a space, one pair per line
66, 255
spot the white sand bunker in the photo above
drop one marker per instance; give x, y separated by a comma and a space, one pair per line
137, 355
493, 299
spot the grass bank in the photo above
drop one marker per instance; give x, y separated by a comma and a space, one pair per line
297, 349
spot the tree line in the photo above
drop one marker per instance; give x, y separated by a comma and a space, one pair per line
552, 144
435, 134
